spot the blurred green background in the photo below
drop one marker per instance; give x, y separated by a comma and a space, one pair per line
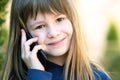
111, 54
3, 32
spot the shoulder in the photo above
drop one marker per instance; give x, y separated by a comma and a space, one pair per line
99, 74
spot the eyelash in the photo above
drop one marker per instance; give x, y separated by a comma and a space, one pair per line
60, 19
40, 26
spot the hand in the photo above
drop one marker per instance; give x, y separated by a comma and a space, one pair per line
30, 57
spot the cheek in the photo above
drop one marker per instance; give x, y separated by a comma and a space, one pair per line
68, 28
41, 37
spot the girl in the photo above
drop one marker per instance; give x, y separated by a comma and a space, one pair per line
54, 25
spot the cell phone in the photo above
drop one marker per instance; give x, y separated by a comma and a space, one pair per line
40, 54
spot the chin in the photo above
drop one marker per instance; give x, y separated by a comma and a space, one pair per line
57, 52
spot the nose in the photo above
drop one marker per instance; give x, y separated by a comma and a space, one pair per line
53, 32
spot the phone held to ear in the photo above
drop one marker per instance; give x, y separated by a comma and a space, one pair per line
40, 54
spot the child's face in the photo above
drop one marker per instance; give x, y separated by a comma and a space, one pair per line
54, 32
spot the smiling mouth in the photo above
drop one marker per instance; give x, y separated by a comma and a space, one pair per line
56, 42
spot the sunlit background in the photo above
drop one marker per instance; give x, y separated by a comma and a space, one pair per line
100, 22
96, 16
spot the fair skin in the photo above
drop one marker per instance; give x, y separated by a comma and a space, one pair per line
53, 33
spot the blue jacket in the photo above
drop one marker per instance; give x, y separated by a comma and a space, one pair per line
55, 72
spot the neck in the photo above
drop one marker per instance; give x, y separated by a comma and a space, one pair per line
60, 60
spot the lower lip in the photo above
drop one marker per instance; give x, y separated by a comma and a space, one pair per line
57, 43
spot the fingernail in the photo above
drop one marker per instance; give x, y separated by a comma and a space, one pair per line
21, 30
36, 37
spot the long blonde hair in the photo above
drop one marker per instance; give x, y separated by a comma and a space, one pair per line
77, 61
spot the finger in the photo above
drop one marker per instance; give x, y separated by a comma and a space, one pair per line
23, 40
35, 49
27, 45
23, 36
30, 41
